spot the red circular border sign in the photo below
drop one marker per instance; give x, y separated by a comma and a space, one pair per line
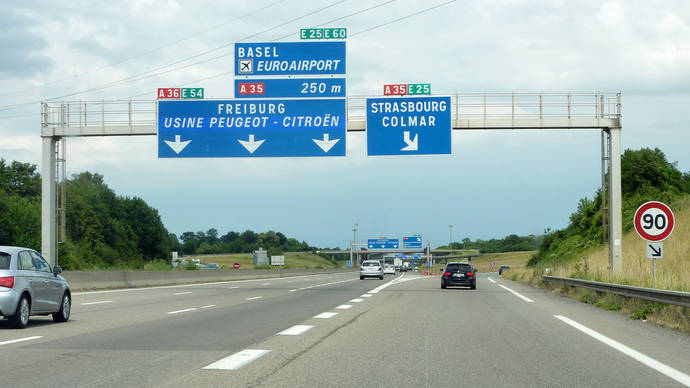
236, 265
669, 225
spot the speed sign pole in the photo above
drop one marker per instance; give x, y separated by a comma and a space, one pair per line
654, 222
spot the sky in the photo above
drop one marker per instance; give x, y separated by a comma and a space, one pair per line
495, 182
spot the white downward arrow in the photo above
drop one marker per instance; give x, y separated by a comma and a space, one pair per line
411, 144
325, 144
251, 145
177, 145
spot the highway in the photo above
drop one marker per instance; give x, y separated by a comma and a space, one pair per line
335, 330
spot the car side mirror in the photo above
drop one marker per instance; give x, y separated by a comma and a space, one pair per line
57, 270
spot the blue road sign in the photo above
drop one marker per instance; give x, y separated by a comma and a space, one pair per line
251, 128
290, 58
289, 87
383, 243
412, 242
408, 126
416, 256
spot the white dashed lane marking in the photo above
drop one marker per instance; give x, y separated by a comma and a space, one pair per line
182, 311
326, 315
296, 330
182, 293
237, 360
344, 306
356, 300
253, 297
99, 302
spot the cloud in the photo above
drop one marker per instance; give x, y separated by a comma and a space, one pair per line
22, 47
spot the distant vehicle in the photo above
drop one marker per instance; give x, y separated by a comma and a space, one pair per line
212, 266
28, 286
370, 268
503, 268
416, 268
389, 269
397, 262
403, 269
458, 274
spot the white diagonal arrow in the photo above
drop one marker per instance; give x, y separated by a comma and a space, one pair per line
177, 145
325, 144
251, 145
412, 145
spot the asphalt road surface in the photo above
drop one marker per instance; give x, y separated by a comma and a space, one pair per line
338, 331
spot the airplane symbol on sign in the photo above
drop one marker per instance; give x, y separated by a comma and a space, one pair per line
246, 66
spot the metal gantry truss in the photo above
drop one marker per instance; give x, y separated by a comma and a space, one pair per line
470, 111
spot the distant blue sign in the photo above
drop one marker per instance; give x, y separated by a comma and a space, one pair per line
412, 242
290, 58
383, 243
417, 256
289, 87
408, 126
251, 128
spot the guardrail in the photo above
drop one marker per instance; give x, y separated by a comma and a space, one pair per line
679, 298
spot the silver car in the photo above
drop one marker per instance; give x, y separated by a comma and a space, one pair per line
370, 268
28, 286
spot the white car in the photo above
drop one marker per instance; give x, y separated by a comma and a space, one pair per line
389, 269
370, 268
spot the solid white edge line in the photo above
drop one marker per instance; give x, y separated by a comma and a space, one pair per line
325, 315
491, 280
650, 362
526, 299
99, 302
207, 306
182, 311
296, 330
21, 340
237, 360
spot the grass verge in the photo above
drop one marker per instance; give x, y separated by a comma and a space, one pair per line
670, 316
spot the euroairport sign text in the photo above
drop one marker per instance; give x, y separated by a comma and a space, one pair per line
289, 58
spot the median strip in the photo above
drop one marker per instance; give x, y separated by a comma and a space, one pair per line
648, 361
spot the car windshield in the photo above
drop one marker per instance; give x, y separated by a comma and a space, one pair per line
4, 260
459, 268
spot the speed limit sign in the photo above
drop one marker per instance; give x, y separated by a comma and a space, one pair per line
654, 221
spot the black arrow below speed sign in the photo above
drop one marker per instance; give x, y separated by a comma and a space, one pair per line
654, 221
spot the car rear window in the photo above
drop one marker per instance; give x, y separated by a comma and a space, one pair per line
5, 260
370, 264
459, 268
